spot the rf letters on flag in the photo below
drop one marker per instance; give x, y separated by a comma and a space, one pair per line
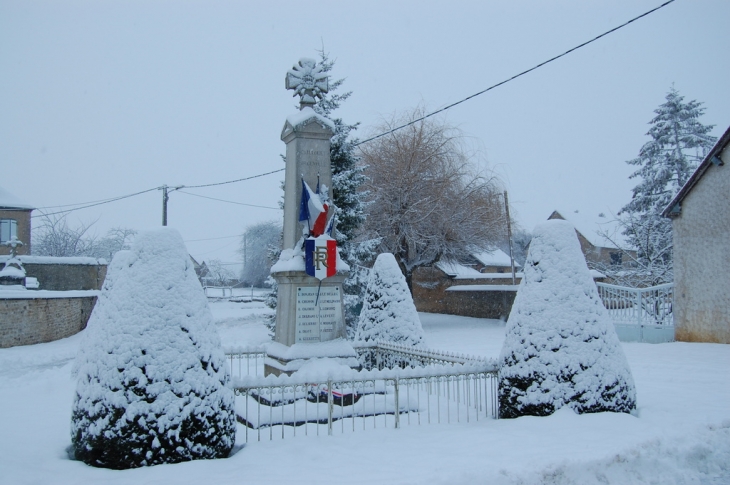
320, 257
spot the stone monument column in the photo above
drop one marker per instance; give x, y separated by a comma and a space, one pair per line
310, 312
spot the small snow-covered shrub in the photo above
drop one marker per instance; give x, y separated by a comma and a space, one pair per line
560, 346
388, 311
152, 382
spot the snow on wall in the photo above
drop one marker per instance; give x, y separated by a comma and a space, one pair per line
560, 346
81, 260
152, 380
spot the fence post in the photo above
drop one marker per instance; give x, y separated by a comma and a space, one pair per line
397, 407
330, 407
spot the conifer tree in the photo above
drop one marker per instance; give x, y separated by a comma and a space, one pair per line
347, 195
560, 347
152, 381
678, 143
388, 311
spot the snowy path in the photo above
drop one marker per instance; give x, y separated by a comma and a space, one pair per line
681, 433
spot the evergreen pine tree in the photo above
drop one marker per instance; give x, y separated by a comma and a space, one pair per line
678, 143
388, 311
560, 347
152, 381
347, 196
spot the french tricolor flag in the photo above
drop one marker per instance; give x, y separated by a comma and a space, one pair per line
312, 211
320, 257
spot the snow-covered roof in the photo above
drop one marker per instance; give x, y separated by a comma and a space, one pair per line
601, 229
457, 269
496, 257
714, 157
10, 201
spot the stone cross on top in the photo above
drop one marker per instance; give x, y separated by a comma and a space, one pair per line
308, 81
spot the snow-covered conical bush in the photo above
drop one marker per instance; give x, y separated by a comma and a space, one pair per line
388, 311
560, 346
152, 381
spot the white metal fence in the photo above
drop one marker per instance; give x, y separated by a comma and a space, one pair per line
640, 314
403, 386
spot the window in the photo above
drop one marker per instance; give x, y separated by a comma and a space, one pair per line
8, 229
616, 259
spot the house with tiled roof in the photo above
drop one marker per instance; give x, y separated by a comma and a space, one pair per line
700, 215
14, 222
600, 238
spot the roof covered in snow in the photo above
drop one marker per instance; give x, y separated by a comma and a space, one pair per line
600, 229
714, 157
457, 270
452, 268
10, 201
496, 257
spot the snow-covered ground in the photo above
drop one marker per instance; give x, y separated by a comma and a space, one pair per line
680, 434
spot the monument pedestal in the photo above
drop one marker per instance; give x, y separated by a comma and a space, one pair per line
310, 323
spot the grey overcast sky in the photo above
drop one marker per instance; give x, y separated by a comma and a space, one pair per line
106, 98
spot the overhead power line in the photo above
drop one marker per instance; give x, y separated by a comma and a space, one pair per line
106, 201
234, 181
515, 76
85, 205
229, 201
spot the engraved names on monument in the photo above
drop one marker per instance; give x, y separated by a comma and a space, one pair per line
318, 311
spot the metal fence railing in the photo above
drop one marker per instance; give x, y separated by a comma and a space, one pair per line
281, 407
640, 314
381, 355
400, 385
246, 361
640, 306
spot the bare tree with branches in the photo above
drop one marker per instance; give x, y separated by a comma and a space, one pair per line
429, 202
55, 237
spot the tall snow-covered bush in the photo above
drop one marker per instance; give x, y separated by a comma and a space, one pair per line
560, 347
152, 382
388, 311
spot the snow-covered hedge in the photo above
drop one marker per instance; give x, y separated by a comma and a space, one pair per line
152, 382
388, 311
560, 346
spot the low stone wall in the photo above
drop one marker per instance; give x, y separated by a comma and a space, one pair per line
43, 316
479, 301
488, 296
64, 274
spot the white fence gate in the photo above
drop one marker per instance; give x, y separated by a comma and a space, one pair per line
640, 314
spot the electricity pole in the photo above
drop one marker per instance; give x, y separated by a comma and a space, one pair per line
165, 196
509, 235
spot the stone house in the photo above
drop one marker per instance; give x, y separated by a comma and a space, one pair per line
700, 215
14, 222
600, 239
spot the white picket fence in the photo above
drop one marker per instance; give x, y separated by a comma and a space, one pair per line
640, 314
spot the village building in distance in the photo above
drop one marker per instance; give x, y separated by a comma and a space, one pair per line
14, 222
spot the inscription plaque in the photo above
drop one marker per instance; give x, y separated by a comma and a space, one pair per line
319, 310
